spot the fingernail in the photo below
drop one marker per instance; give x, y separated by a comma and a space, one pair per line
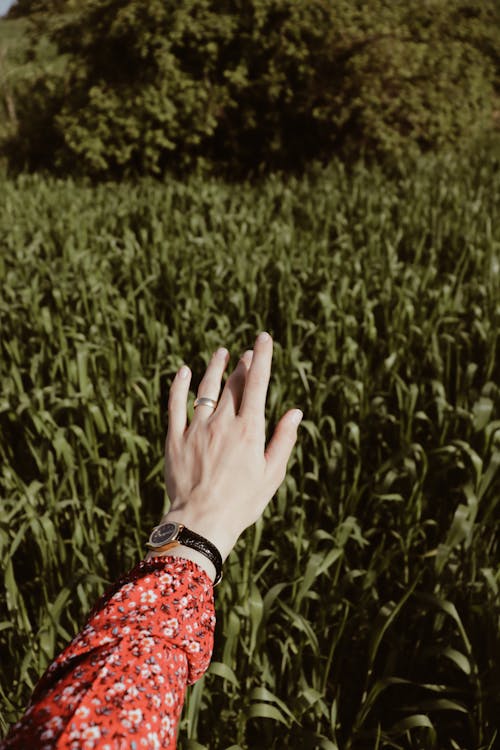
262, 337
296, 417
222, 353
247, 355
184, 372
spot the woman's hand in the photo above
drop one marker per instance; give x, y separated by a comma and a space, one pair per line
219, 474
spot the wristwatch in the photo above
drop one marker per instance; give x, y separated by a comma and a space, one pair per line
170, 534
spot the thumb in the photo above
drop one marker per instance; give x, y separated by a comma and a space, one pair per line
281, 444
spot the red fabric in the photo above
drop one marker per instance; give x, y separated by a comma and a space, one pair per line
121, 682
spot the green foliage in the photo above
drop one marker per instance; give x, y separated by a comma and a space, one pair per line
243, 86
29, 8
363, 611
22, 93
11, 55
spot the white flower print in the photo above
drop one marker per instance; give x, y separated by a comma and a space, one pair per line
148, 597
82, 711
135, 715
155, 632
91, 733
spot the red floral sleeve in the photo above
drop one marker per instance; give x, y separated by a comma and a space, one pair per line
120, 683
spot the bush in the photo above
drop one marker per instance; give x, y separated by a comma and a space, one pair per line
150, 87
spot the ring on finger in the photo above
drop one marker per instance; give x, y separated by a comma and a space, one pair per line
204, 401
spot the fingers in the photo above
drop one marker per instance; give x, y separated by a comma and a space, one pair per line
232, 394
210, 384
281, 444
253, 402
177, 403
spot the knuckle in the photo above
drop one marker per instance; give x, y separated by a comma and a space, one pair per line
280, 473
171, 449
276, 477
259, 378
213, 429
251, 427
208, 389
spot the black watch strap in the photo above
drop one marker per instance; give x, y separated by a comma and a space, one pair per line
171, 532
200, 544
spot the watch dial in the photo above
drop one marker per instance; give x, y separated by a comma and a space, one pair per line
163, 534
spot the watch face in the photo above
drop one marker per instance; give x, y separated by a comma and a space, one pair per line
163, 534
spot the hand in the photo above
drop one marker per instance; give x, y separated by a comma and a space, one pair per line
218, 472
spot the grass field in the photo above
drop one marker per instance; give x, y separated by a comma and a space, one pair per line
363, 611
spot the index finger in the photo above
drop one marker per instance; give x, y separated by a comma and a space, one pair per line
253, 403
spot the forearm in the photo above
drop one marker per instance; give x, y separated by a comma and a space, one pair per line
123, 677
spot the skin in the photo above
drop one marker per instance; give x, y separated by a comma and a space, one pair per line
219, 474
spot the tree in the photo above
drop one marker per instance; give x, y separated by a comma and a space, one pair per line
247, 84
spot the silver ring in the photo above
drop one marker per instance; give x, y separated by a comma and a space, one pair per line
202, 401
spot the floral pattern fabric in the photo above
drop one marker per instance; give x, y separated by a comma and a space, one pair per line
120, 683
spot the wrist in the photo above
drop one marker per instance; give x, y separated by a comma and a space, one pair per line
213, 530
187, 554
181, 535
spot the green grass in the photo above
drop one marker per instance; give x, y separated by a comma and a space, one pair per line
363, 611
